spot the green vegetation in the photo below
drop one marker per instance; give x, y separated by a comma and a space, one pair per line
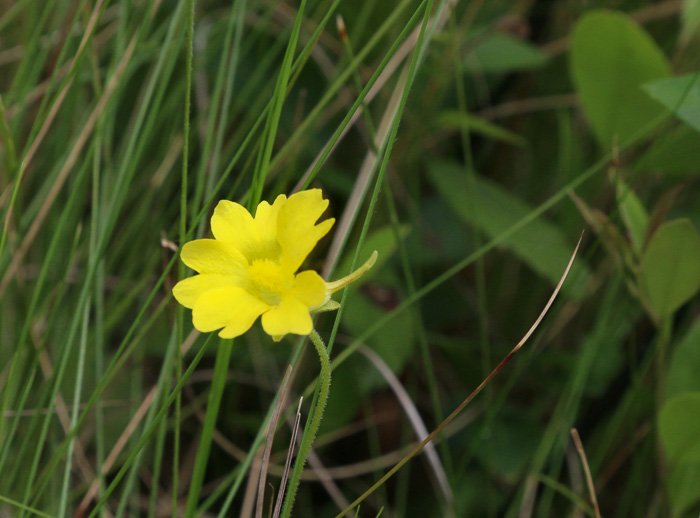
469, 144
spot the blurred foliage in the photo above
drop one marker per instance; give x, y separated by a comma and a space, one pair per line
527, 123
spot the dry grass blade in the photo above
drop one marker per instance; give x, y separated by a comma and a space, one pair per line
586, 470
471, 396
288, 464
270, 439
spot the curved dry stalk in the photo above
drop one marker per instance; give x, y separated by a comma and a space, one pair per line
586, 470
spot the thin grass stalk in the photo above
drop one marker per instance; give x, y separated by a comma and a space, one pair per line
161, 390
57, 239
288, 461
218, 109
20, 505
52, 391
223, 358
189, 50
8, 146
361, 97
315, 422
147, 434
92, 267
276, 111
245, 465
75, 411
272, 427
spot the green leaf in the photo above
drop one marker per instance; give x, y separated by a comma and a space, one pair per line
456, 119
611, 57
634, 215
680, 95
685, 364
690, 19
683, 488
671, 266
540, 244
673, 152
502, 53
679, 428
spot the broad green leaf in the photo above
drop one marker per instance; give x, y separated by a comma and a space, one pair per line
611, 58
634, 215
680, 95
455, 119
683, 372
679, 428
502, 53
683, 488
671, 266
674, 152
540, 244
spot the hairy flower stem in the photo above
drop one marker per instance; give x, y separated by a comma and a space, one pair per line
312, 429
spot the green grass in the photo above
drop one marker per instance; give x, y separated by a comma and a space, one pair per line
457, 142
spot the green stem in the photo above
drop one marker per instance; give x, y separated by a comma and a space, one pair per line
223, 357
313, 426
181, 266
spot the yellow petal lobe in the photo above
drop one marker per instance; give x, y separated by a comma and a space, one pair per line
212, 256
187, 291
290, 316
231, 223
297, 231
308, 287
229, 307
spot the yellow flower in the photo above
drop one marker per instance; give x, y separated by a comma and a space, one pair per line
249, 269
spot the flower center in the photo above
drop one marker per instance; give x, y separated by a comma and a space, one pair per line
269, 281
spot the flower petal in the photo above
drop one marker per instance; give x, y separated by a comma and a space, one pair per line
211, 256
231, 223
255, 238
229, 307
266, 219
309, 288
187, 291
297, 231
290, 316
